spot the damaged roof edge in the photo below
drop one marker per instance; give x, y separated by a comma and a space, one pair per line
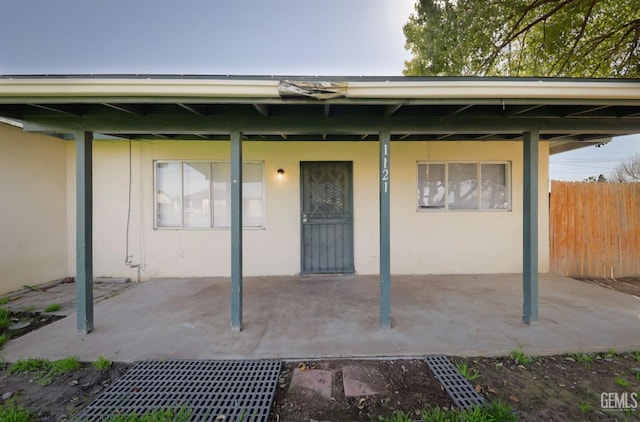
395, 89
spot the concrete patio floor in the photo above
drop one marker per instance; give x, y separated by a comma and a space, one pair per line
320, 317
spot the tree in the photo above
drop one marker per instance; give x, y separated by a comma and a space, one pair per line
627, 170
600, 178
572, 38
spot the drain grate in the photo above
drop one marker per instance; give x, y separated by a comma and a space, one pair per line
212, 390
458, 388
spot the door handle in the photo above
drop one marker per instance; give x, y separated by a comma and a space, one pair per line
304, 218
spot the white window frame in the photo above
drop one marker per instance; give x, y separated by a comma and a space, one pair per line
211, 227
479, 164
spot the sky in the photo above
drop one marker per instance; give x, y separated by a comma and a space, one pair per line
231, 37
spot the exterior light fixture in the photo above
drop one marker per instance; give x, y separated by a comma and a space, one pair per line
280, 172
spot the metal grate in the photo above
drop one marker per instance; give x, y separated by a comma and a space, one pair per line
459, 389
211, 390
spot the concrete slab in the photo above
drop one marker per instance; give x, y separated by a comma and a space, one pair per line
288, 317
316, 381
358, 381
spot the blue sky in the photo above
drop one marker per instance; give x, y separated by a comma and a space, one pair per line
231, 37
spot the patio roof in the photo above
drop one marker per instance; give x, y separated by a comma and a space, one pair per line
567, 112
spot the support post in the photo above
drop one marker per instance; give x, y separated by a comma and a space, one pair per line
236, 231
385, 232
84, 232
530, 228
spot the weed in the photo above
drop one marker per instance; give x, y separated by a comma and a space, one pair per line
636, 372
54, 307
31, 288
3, 339
29, 308
397, 417
102, 363
622, 382
64, 366
520, 358
584, 406
181, 415
4, 300
11, 412
5, 320
636, 356
28, 365
493, 411
471, 374
582, 357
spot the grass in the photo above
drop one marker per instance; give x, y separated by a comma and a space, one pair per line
29, 308
398, 417
11, 412
636, 356
54, 307
4, 300
102, 363
471, 374
5, 320
3, 339
43, 370
31, 288
622, 382
181, 415
584, 406
493, 411
520, 358
581, 357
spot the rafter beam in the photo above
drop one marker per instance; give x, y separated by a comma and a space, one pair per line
135, 109
197, 109
460, 109
588, 110
390, 110
263, 109
56, 109
522, 110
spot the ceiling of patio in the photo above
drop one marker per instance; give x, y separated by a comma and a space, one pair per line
567, 123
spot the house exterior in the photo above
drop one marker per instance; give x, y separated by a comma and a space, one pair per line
149, 177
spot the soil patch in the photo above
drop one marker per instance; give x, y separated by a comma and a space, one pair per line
629, 285
410, 386
28, 321
65, 396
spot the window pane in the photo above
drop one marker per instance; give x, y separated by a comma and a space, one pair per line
197, 195
463, 186
494, 187
168, 195
221, 194
252, 195
431, 185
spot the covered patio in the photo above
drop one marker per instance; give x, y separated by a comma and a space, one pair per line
565, 113
336, 316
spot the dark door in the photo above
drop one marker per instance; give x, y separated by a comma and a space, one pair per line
327, 217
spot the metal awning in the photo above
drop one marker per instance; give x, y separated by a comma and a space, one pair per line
567, 112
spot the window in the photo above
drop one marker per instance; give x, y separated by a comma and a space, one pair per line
464, 186
197, 194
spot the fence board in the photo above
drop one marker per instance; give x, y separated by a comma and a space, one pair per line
595, 229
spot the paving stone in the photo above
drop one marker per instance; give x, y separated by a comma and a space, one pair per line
316, 380
358, 381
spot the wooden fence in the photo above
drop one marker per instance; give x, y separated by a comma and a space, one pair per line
595, 229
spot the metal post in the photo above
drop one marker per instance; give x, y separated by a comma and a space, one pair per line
530, 228
84, 232
236, 231
385, 242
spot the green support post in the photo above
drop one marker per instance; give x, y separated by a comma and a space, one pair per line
530, 228
236, 231
385, 236
84, 232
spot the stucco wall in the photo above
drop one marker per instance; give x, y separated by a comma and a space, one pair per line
422, 242
33, 220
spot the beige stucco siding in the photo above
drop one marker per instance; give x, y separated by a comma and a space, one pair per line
33, 216
422, 242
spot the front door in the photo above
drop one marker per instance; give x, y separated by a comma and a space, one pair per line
327, 217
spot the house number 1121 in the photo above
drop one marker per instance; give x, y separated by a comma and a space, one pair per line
385, 168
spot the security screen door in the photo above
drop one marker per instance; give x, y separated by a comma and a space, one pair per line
327, 217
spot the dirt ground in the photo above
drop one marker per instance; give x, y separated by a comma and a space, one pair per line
552, 388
